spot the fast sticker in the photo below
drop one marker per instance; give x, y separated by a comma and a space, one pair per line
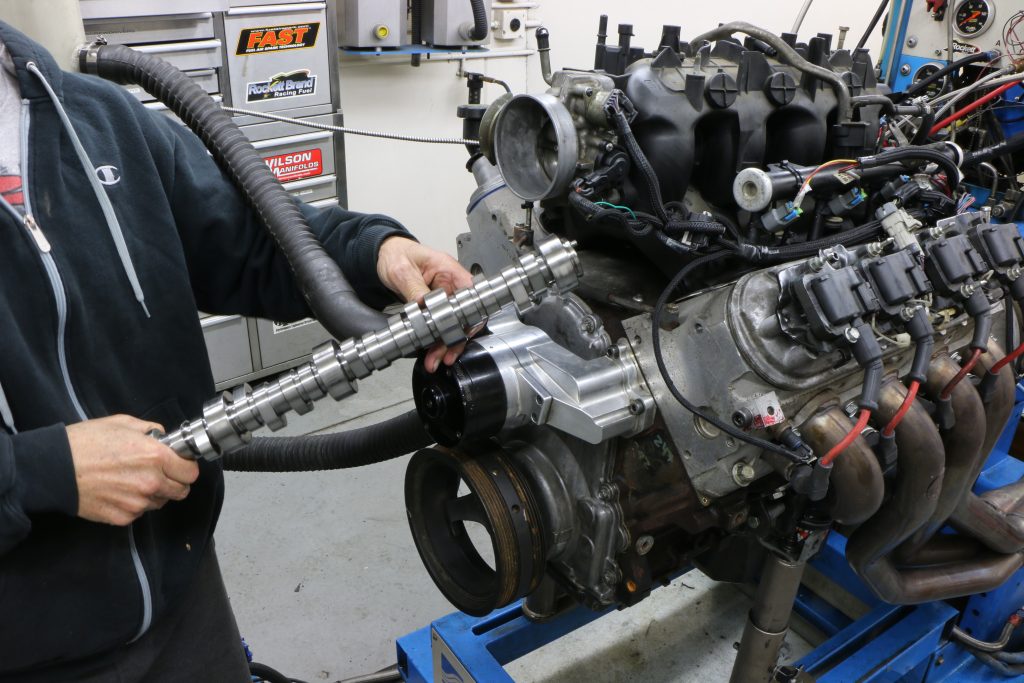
296, 165
254, 41
293, 84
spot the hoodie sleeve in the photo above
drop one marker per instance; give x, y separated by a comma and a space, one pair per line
36, 475
234, 265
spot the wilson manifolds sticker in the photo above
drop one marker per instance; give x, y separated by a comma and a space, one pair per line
296, 165
297, 83
254, 41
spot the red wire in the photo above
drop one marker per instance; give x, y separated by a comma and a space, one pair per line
947, 391
971, 107
1006, 360
904, 409
862, 422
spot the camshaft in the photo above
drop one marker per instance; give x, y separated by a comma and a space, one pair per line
228, 420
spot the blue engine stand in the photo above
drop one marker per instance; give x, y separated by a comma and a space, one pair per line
889, 644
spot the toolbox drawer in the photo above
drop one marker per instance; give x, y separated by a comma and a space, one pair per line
96, 9
159, 29
206, 79
278, 56
297, 157
285, 342
227, 343
188, 56
314, 189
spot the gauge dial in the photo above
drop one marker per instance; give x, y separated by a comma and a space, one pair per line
927, 71
972, 17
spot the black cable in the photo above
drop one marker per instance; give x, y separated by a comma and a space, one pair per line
871, 26
921, 85
636, 153
914, 153
659, 358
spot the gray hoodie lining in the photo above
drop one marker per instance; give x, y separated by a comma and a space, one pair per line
101, 195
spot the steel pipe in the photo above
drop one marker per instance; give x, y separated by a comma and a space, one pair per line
963, 448
995, 518
768, 621
915, 494
857, 486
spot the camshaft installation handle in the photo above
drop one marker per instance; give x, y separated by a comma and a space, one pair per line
228, 420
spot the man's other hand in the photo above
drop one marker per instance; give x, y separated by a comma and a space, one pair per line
412, 270
123, 472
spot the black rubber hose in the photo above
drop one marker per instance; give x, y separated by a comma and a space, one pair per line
480, 27
331, 298
1009, 146
955, 65
417, 29
383, 441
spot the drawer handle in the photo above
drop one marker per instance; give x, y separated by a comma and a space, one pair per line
215, 320
277, 9
194, 46
292, 140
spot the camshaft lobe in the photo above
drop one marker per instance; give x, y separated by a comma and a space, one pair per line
335, 368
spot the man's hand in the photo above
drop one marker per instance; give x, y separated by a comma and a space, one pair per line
412, 270
123, 472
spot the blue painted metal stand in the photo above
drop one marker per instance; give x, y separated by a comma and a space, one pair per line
890, 644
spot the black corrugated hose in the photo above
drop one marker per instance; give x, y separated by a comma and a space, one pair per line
383, 441
331, 298
480, 27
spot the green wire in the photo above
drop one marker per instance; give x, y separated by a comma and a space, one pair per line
616, 206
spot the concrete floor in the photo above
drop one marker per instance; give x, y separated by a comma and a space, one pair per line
324, 577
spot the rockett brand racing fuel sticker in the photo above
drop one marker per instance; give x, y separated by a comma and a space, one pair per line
254, 41
297, 83
296, 165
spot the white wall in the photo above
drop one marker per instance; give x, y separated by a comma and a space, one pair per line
427, 186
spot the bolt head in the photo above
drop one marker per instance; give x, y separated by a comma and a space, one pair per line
636, 407
905, 70
644, 545
743, 473
912, 41
852, 335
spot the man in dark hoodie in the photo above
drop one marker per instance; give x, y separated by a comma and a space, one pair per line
115, 224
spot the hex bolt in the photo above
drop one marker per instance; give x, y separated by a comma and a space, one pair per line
851, 334
644, 545
742, 418
743, 473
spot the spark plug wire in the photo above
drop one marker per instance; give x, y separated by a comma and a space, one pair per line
903, 410
835, 451
947, 391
